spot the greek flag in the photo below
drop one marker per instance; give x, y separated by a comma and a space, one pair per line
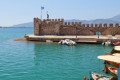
42, 8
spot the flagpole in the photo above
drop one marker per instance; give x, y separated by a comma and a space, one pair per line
41, 13
47, 15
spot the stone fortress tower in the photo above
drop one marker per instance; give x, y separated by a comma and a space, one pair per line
59, 27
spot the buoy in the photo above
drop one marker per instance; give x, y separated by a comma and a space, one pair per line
103, 69
84, 78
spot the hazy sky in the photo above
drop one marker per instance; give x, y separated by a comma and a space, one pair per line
21, 11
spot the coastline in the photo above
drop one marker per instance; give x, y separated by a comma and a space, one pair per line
16, 27
92, 39
25, 40
21, 39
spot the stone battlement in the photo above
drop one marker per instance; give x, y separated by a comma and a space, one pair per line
59, 27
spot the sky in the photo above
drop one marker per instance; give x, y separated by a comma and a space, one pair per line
14, 12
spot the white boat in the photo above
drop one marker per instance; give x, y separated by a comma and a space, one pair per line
106, 43
96, 76
49, 41
61, 42
67, 42
117, 48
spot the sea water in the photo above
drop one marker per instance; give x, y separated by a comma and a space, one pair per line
46, 61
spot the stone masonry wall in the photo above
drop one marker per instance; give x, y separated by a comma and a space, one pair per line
59, 27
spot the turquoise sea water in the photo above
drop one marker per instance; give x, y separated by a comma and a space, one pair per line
45, 61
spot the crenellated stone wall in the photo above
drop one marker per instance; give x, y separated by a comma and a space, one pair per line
59, 27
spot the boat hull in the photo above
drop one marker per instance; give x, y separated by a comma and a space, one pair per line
95, 76
111, 63
111, 70
116, 43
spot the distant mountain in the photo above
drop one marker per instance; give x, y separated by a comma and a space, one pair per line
115, 19
29, 24
102, 21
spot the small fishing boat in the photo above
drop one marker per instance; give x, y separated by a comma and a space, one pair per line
117, 48
112, 58
116, 43
61, 42
67, 42
49, 41
114, 52
111, 70
96, 76
106, 43
113, 63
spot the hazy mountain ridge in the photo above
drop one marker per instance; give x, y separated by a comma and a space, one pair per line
29, 24
115, 19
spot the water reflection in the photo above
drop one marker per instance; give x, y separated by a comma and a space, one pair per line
45, 51
38, 53
65, 61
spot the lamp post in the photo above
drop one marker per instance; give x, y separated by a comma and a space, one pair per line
76, 32
98, 32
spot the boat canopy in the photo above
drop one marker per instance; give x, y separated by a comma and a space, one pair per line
111, 58
117, 48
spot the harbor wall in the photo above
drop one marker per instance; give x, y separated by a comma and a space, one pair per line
59, 27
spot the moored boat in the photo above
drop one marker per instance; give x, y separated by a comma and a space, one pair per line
106, 43
116, 43
112, 58
111, 70
67, 42
112, 63
114, 52
96, 76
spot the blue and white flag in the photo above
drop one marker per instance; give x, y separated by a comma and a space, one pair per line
42, 8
